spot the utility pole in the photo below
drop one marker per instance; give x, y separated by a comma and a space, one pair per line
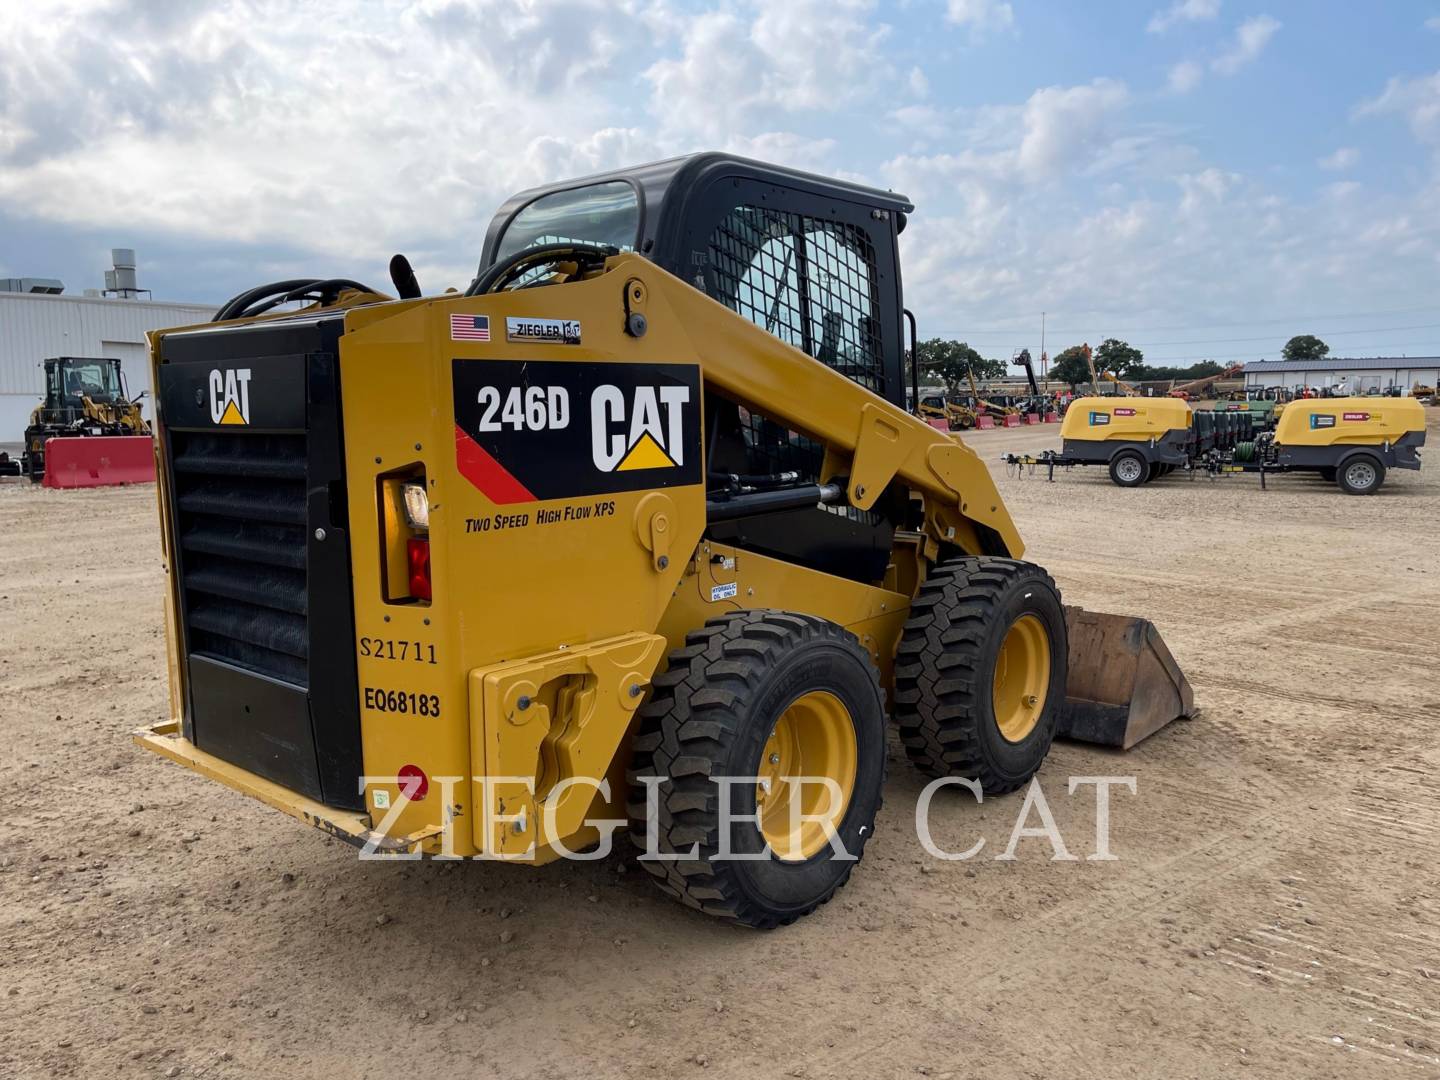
1044, 357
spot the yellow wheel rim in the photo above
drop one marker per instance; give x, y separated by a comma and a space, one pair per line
813, 738
1022, 677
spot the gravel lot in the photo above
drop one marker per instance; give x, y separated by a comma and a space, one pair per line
1274, 909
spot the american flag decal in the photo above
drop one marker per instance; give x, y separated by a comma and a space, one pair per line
469, 327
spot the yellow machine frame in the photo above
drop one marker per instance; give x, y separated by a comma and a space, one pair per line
548, 623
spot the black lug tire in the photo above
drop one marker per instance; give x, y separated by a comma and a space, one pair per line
1343, 475
1115, 465
944, 671
710, 714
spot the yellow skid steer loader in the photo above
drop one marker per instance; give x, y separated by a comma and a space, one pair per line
635, 530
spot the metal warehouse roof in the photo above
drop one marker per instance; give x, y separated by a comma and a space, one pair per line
1340, 363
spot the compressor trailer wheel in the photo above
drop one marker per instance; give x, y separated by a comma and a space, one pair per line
1360, 475
773, 696
1129, 469
980, 672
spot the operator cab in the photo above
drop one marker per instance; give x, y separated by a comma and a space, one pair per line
812, 260
69, 379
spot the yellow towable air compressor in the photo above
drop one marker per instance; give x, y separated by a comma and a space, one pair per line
1352, 441
1136, 438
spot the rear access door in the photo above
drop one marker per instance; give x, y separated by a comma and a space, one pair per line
250, 427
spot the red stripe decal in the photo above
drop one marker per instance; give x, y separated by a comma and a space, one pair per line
492, 479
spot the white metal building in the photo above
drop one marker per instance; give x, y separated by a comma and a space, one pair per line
1358, 375
34, 326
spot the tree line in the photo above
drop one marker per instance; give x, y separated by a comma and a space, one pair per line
952, 361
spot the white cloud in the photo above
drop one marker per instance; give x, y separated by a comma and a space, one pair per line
1062, 124
981, 16
1433, 23
924, 120
739, 68
295, 151
1183, 11
982, 248
1185, 76
343, 143
1343, 158
1204, 189
398, 127
1250, 41
1417, 99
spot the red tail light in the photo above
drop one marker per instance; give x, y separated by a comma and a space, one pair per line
414, 784
417, 558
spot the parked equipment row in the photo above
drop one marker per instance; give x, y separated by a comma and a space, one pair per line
1351, 441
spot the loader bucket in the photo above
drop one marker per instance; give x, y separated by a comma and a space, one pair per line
1123, 683
99, 460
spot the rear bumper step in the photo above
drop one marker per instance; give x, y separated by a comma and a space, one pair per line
165, 739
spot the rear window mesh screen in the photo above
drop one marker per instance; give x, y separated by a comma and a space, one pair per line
809, 282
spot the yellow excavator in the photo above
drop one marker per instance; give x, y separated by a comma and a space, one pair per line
635, 533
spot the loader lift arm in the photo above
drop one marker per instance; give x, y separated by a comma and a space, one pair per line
868, 442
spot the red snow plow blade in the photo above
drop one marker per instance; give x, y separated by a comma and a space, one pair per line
99, 461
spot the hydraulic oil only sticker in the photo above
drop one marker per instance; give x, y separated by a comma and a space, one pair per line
530, 430
723, 592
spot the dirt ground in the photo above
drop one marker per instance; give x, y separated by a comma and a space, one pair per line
1274, 909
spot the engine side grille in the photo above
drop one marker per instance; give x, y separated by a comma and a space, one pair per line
240, 521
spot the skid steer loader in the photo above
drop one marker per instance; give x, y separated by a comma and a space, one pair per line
636, 529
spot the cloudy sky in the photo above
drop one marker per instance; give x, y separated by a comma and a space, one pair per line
1202, 177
